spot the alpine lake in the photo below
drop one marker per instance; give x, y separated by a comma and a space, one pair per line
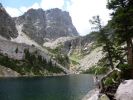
69, 87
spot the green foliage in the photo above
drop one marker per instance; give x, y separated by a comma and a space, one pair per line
37, 61
123, 67
32, 64
57, 50
122, 25
74, 62
96, 70
103, 39
126, 70
113, 78
108, 81
62, 59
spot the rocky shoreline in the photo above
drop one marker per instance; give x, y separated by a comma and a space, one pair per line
93, 94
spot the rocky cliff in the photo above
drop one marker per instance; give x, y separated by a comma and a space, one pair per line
7, 25
42, 26
50, 33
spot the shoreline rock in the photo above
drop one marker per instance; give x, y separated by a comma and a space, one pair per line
92, 95
125, 90
95, 95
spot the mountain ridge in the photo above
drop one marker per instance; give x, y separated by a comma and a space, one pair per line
41, 25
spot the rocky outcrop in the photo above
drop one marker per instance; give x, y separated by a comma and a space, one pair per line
59, 24
7, 72
125, 90
42, 25
7, 25
58, 42
79, 44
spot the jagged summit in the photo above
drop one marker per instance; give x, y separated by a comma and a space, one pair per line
51, 24
2, 8
1, 5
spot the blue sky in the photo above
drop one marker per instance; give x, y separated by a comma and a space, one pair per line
19, 3
80, 10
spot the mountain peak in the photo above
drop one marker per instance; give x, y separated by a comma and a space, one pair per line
52, 24
7, 24
2, 8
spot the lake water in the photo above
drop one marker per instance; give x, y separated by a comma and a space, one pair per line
73, 87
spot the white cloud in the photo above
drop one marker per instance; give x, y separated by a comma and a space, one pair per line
48, 4
83, 10
13, 11
80, 10
35, 6
44, 4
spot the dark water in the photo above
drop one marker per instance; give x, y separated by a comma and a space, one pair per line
72, 87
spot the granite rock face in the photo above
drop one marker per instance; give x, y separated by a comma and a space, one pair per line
80, 44
42, 25
59, 24
7, 25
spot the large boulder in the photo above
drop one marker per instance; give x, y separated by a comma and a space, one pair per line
125, 90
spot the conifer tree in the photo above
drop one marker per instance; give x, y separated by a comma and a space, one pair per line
102, 38
122, 23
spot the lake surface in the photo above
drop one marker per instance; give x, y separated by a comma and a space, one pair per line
73, 87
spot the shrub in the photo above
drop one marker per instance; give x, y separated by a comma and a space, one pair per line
126, 70
96, 70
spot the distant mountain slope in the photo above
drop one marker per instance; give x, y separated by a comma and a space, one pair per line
82, 51
23, 55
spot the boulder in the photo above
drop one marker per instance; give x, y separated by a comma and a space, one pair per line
125, 90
